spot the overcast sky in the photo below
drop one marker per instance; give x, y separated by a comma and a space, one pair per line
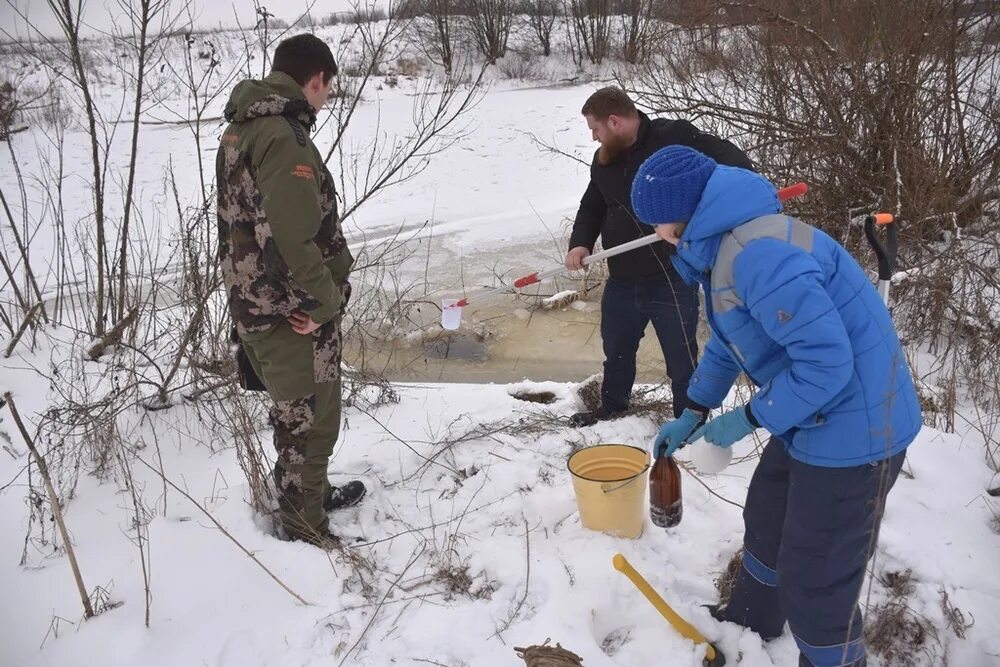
100, 15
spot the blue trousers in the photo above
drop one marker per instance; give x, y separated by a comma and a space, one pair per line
626, 309
809, 534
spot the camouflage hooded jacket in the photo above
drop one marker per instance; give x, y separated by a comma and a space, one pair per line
281, 246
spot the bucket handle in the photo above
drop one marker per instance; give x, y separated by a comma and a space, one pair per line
626, 482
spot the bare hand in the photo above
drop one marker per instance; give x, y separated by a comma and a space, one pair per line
302, 323
575, 257
671, 232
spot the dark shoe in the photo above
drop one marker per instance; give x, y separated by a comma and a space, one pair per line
348, 495
326, 541
591, 417
717, 612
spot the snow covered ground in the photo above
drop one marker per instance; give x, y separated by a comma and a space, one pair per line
472, 555
469, 543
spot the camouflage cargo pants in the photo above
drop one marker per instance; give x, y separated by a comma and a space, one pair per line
305, 417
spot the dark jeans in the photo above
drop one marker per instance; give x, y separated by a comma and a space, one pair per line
626, 309
809, 534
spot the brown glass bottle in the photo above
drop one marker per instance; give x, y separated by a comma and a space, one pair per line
665, 506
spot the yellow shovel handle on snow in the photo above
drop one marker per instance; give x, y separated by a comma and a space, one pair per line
682, 626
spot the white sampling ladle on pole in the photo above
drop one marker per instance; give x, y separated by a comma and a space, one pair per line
451, 309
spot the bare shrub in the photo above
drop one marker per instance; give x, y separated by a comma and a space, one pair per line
636, 27
522, 66
826, 94
541, 16
366, 15
590, 29
490, 23
435, 30
410, 67
896, 632
8, 106
899, 635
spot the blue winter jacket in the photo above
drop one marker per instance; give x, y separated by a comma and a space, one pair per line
791, 308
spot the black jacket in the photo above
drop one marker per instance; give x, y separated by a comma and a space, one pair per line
606, 207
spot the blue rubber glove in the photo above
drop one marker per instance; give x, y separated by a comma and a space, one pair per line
725, 429
674, 434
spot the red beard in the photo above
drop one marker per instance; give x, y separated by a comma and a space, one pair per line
611, 149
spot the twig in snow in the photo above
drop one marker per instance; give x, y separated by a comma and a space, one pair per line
382, 602
113, 337
141, 534
428, 461
43, 469
437, 524
224, 531
955, 616
527, 584
28, 319
709, 489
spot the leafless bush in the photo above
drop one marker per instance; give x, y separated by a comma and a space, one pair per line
435, 30
518, 65
827, 95
409, 67
8, 107
896, 632
637, 28
161, 284
490, 23
305, 22
81, 68
541, 15
367, 15
897, 584
237, 418
916, 139
590, 35
899, 635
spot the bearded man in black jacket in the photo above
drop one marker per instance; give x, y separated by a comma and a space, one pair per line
643, 286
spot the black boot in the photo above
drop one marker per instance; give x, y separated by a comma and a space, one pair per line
591, 417
338, 497
326, 540
348, 495
717, 612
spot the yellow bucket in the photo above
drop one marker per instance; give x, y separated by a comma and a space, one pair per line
610, 486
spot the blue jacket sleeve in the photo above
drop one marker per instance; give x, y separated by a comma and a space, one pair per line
714, 376
783, 287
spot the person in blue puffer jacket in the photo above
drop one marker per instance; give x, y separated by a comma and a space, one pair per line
789, 307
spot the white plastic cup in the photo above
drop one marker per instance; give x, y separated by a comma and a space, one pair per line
451, 315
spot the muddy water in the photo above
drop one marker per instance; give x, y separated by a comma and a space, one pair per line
562, 345
522, 341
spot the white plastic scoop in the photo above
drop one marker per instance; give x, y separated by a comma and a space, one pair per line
451, 309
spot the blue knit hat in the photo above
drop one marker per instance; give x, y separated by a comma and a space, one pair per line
669, 184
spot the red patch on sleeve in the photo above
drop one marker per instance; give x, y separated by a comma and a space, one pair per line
303, 171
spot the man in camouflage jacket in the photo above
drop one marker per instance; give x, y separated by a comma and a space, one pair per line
286, 264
